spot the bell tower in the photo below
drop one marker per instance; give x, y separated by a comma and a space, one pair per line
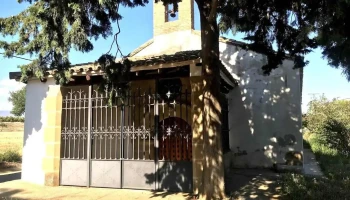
164, 21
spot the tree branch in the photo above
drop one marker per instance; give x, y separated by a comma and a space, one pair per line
213, 10
18, 57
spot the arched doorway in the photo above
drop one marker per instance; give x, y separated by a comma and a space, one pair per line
175, 140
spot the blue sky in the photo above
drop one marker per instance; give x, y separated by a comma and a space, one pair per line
136, 28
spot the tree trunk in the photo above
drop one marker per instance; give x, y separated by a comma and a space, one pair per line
213, 170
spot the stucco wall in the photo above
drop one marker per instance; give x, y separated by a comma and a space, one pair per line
264, 111
172, 43
35, 120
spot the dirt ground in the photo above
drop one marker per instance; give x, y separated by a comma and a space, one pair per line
241, 184
244, 184
22, 190
12, 127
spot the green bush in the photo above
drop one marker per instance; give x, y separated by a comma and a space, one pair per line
327, 132
322, 110
299, 187
336, 183
329, 121
10, 156
11, 119
336, 136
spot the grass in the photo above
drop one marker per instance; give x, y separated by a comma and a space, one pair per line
11, 143
335, 185
11, 140
11, 136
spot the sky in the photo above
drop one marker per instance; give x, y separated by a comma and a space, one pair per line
137, 28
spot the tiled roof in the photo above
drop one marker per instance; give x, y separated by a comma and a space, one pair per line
162, 59
139, 61
142, 61
135, 62
140, 48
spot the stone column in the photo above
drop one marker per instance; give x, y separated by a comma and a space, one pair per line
207, 158
52, 135
197, 134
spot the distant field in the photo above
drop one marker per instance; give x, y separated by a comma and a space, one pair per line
12, 127
11, 137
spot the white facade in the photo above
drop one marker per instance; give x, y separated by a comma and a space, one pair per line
35, 120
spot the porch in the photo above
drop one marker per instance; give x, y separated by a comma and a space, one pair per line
144, 140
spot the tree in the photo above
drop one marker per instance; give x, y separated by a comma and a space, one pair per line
49, 29
18, 100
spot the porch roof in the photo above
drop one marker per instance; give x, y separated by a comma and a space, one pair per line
143, 63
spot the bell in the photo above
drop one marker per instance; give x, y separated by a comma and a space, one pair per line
172, 14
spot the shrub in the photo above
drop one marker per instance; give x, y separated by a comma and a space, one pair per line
322, 110
329, 121
11, 119
336, 183
297, 186
336, 136
10, 156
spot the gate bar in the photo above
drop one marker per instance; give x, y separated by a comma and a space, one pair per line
122, 143
88, 156
156, 130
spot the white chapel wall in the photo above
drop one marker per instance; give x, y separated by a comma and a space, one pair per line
35, 120
264, 111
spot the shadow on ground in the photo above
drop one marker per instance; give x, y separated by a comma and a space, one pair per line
240, 184
253, 184
165, 195
10, 176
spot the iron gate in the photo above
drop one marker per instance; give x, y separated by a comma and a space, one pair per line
142, 141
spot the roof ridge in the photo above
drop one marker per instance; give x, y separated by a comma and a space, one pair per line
225, 39
140, 48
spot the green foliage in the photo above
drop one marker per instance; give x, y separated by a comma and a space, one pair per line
49, 30
10, 156
329, 122
114, 71
18, 100
294, 27
11, 119
322, 110
335, 184
336, 136
299, 187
